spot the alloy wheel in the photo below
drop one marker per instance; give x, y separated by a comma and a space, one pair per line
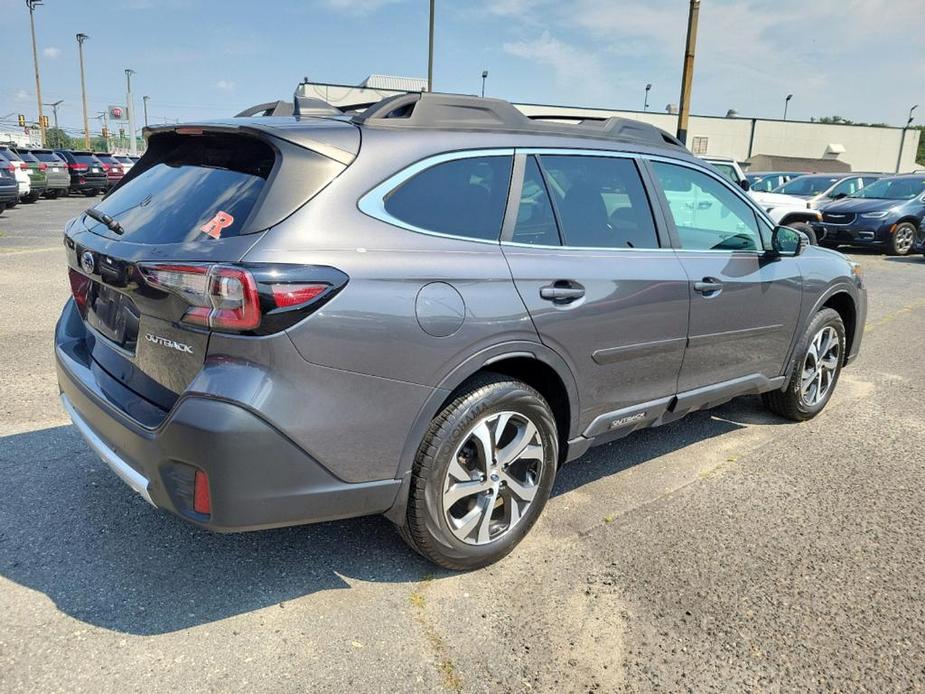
820, 366
493, 477
905, 237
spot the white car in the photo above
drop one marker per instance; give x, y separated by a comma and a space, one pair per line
786, 210
19, 171
126, 161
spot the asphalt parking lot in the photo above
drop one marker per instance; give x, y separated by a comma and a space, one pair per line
730, 551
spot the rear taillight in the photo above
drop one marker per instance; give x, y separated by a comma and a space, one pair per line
106, 167
78, 167
252, 298
202, 499
80, 289
43, 166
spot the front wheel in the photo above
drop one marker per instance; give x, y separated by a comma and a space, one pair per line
806, 229
821, 354
482, 474
902, 239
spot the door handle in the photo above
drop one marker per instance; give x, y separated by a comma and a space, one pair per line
562, 292
709, 285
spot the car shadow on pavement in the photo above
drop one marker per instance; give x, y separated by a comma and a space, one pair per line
72, 530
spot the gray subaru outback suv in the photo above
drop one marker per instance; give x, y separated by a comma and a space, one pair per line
423, 311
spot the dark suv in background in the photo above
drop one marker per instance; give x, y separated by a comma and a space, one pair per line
423, 311
888, 213
86, 171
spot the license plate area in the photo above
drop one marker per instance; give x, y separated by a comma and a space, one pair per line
113, 315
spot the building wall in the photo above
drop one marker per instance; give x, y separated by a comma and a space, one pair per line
866, 148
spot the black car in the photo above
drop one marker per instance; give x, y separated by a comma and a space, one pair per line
87, 173
887, 213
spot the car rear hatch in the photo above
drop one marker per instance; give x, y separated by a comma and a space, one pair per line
141, 260
87, 168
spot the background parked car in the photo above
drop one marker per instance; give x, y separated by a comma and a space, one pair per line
9, 186
819, 189
766, 181
22, 177
729, 168
86, 171
37, 174
126, 161
112, 167
59, 180
888, 213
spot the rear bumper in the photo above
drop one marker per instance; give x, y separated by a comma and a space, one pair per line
258, 478
99, 183
9, 194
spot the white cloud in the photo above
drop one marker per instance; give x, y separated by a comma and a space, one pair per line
22, 95
51, 52
572, 67
225, 85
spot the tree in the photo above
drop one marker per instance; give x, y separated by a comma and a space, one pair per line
57, 139
920, 155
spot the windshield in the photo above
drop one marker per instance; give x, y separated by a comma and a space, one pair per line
892, 189
807, 185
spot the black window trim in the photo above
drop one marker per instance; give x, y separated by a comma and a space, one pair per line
662, 229
761, 218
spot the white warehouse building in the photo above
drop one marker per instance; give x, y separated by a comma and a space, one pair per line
764, 143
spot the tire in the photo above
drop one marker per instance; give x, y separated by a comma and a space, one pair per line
31, 198
52, 195
452, 455
902, 239
90, 193
791, 402
806, 229
2, 207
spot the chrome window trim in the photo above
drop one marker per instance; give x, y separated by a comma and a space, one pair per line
372, 203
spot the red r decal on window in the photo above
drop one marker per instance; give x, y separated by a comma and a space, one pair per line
214, 226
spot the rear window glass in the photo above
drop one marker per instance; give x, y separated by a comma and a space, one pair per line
193, 182
463, 197
28, 156
11, 155
49, 157
86, 159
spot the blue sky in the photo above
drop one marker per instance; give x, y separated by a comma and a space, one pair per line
212, 58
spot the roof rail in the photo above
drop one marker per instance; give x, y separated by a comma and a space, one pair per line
458, 111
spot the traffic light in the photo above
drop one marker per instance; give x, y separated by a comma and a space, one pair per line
44, 120
121, 133
22, 121
105, 133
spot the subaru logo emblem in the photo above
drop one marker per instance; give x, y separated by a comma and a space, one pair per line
87, 262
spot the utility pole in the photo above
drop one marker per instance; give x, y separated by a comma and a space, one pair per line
687, 76
32, 4
133, 146
83, 88
786, 104
144, 100
105, 116
902, 138
430, 51
484, 77
54, 109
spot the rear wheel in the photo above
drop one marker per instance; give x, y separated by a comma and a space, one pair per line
821, 355
30, 198
2, 207
902, 239
90, 193
482, 474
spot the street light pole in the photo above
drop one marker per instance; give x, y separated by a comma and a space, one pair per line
133, 147
54, 109
687, 77
430, 51
902, 140
83, 89
484, 77
32, 4
144, 100
786, 104
645, 104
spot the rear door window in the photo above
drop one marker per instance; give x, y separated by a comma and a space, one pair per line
536, 222
463, 197
600, 201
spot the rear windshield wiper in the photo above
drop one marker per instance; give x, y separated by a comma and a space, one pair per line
110, 223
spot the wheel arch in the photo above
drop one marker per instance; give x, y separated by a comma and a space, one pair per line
843, 303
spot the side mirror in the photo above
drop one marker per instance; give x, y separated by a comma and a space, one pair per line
745, 185
788, 242
839, 196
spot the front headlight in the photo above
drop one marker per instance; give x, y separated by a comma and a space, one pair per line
875, 215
